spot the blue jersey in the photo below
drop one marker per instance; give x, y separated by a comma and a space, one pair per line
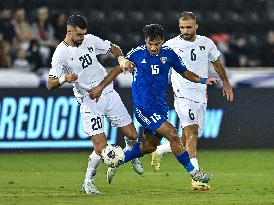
150, 78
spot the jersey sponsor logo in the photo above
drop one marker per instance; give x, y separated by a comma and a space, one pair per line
144, 61
142, 117
163, 60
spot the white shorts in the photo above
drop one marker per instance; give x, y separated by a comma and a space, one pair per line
109, 105
190, 112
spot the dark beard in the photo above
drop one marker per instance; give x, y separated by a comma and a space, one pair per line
76, 43
187, 38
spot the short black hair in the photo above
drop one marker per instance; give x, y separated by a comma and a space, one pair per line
77, 20
154, 31
188, 15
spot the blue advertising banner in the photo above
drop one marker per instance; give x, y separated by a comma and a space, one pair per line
39, 119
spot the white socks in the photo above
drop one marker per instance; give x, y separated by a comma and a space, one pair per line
93, 163
94, 160
194, 162
164, 148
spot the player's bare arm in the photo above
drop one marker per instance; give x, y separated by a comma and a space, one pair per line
55, 83
124, 63
197, 79
116, 50
227, 89
97, 91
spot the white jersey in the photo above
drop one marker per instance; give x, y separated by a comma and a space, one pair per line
196, 56
81, 60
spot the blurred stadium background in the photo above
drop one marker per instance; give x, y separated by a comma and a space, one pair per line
33, 119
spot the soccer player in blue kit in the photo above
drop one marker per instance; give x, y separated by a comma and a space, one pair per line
149, 90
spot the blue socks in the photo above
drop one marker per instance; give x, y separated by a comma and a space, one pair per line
136, 153
133, 153
185, 161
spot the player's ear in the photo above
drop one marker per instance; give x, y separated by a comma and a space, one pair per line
69, 30
196, 26
146, 39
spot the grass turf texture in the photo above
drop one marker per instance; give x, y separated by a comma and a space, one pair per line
239, 177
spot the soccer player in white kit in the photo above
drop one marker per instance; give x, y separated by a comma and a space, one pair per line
74, 61
190, 99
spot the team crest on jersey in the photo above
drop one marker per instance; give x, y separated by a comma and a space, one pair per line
202, 48
90, 49
163, 60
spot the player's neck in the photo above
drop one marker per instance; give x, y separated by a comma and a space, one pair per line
190, 40
193, 39
69, 42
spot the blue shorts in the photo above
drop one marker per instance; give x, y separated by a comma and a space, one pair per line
150, 119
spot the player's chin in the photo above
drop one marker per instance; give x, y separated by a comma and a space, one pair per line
186, 37
79, 43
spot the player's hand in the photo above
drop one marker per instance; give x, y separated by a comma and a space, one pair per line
227, 91
129, 66
71, 77
95, 93
212, 80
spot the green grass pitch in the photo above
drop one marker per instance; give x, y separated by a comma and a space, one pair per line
239, 177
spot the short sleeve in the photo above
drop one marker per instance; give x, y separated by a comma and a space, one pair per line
168, 43
214, 53
101, 46
131, 55
58, 64
177, 63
